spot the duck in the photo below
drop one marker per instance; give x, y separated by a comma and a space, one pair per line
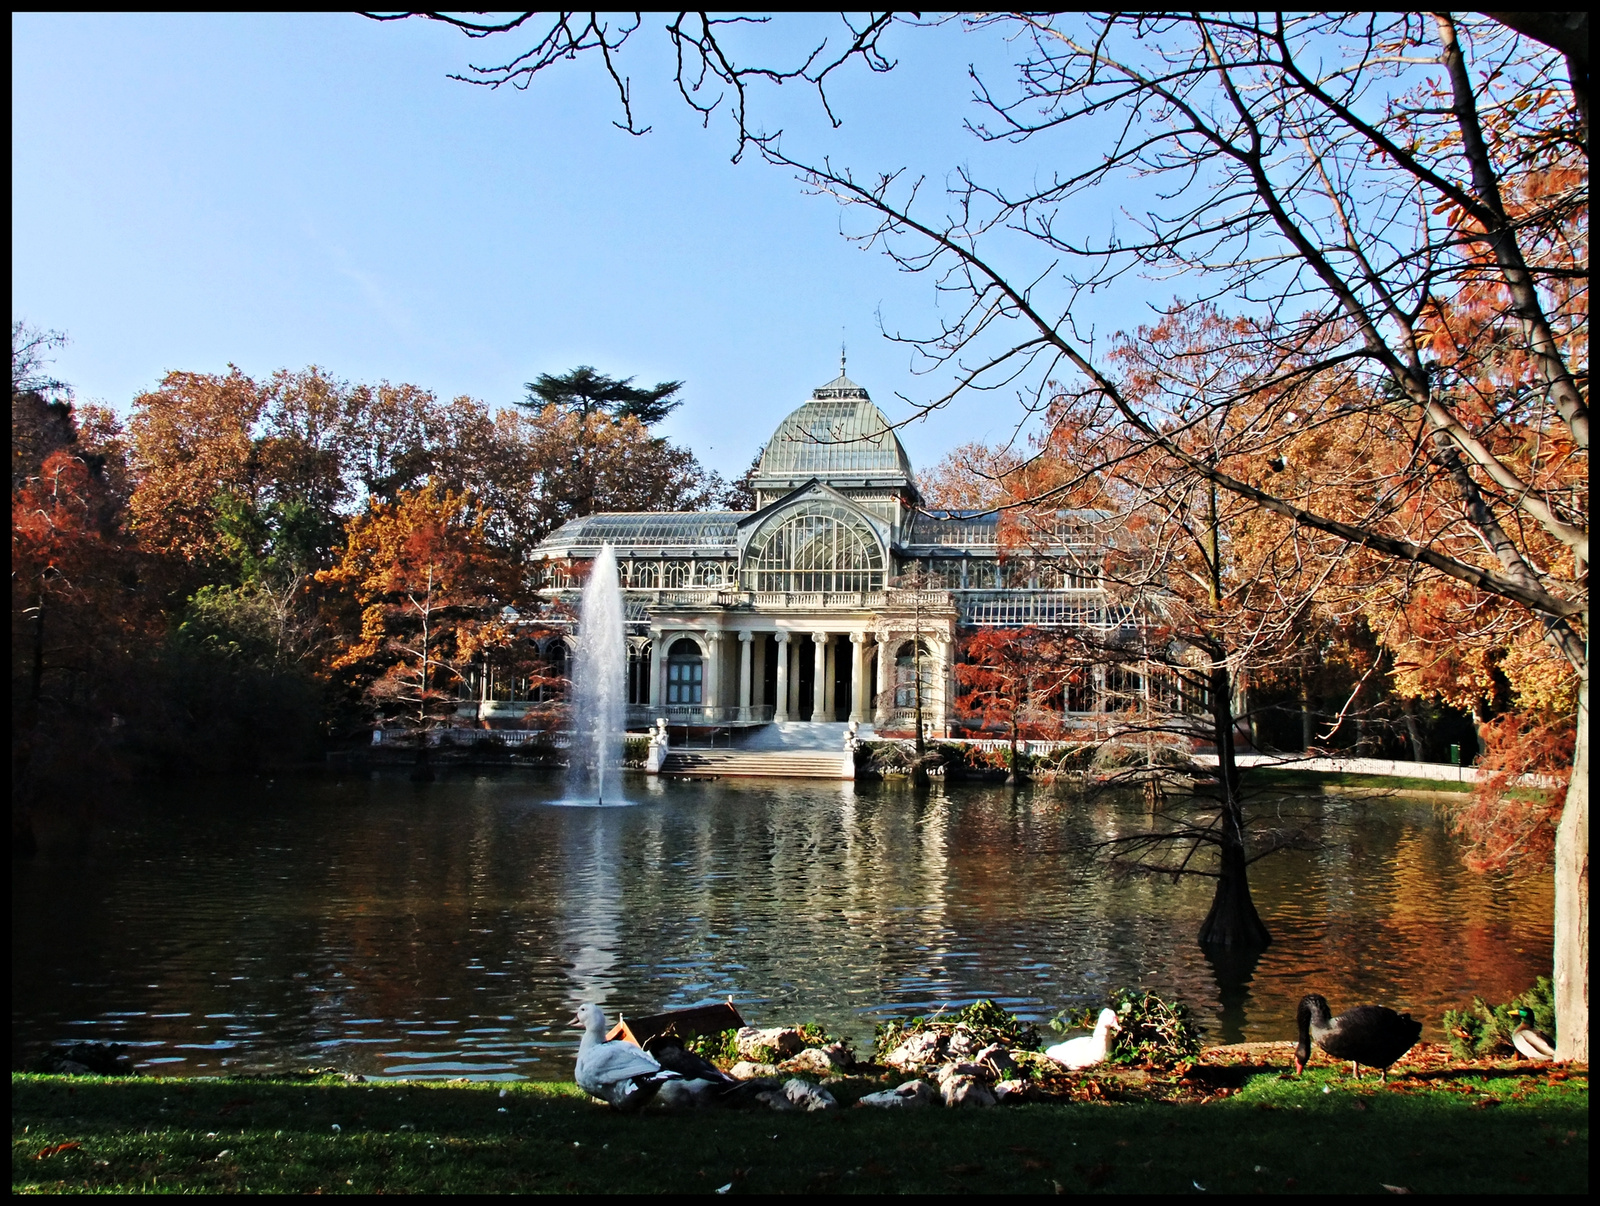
617, 1072
668, 1051
1366, 1034
1090, 1049
1531, 1043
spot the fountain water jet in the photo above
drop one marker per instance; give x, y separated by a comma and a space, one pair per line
599, 678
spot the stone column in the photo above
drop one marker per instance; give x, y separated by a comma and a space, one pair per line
745, 639
818, 692
781, 713
858, 673
795, 651
830, 702
712, 694
657, 664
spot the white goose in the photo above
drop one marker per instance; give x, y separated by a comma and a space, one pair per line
619, 1073
1090, 1049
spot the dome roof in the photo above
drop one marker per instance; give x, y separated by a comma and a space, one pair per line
838, 436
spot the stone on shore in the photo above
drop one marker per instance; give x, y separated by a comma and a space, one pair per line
749, 1070
823, 1061
912, 1094
764, 1046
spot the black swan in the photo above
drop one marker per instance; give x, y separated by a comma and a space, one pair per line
1367, 1034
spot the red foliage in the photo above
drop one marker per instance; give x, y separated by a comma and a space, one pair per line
1510, 822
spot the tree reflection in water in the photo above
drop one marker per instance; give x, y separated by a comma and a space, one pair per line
450, 928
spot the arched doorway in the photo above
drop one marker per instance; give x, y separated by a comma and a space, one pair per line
685, 673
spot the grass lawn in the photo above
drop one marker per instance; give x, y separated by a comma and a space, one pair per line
1452, 1129
1257, 776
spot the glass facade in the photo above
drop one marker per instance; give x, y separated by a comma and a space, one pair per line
822, 547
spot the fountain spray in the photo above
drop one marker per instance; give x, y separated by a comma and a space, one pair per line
599, 677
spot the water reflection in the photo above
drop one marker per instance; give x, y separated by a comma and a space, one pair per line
451, 928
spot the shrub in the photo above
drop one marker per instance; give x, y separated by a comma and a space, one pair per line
721, 1048
1485, 1030
986, 1020
1154, 1029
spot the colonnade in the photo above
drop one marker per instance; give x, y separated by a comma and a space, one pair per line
789, 647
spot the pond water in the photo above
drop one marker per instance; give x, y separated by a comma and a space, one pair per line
451, 928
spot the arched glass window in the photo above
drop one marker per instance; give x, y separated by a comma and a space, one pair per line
646, 575
676, 575
824, 547
708, 573
685, 673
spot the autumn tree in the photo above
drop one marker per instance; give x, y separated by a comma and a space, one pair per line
1013, 680
428, 589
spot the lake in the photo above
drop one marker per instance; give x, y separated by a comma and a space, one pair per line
449, 929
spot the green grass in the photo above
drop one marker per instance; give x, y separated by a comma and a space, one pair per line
1484, 1130
1284, 777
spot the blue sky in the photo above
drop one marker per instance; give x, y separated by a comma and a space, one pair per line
280, 190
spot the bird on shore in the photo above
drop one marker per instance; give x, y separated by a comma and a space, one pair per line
617, 1072
1090, 1049
1367, 1034
1531, 1043
668, 1051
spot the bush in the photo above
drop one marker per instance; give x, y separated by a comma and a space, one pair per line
1485, 1030
1154, 1029
986, 1020
721, 1048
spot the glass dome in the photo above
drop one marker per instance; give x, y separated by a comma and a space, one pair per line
822, 546
839, 434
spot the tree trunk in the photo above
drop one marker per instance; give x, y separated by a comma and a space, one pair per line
1572, 901
1233, 920
1408, 709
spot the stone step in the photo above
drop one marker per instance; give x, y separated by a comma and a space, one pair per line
774, 764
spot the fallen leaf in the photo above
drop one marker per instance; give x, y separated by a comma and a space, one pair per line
56, 1149
1395, 1188
964, 1170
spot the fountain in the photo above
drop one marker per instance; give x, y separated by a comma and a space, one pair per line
599, 677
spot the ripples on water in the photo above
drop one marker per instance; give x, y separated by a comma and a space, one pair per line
452, 928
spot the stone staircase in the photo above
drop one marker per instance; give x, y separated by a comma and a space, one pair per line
777, 764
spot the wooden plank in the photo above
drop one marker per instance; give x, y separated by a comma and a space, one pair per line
684, 1023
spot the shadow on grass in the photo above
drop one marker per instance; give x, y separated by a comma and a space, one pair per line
1313, 1133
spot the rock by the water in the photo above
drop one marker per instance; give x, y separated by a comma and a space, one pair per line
747, 1070
918, 1050
803, 1095
913, 1093
87, 1059
971, 1071
998, 1061
1011, 1090
761, 1045
965, 1091
824, 1061
963, 1043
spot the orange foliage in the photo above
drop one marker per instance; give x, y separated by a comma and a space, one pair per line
1510, 822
